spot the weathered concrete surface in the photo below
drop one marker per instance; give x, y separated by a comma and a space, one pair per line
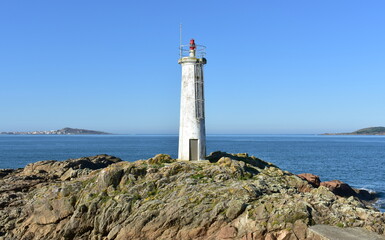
325, 232
192, 115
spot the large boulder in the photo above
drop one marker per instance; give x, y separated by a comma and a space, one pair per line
70, 168
365, 195
17, 187
161, 159
339, 188
311, 178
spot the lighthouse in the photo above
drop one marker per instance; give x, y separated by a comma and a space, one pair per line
192, 132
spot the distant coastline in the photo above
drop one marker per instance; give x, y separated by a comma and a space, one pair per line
363, 131
63, 131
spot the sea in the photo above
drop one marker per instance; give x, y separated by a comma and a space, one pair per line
356, 160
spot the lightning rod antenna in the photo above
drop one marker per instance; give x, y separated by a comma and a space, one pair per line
180, 40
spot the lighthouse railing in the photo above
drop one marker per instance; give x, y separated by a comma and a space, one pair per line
200, 51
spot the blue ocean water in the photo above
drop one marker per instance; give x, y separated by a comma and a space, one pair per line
356, 160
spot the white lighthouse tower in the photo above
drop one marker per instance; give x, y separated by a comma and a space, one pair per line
192, 132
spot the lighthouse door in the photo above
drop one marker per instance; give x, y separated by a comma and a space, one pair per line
193, 149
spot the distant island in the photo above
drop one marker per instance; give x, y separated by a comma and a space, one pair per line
363, 131
64, 131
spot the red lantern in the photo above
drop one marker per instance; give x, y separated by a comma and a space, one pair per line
192, 44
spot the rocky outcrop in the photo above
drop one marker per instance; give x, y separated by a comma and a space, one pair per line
339, 188
231, 196
66, 170
344, 190
314, 180
17, 186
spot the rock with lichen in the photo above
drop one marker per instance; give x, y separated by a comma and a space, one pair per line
229, 196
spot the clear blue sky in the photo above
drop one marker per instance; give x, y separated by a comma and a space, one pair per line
273, 66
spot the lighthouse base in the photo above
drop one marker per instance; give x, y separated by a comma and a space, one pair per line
192, 149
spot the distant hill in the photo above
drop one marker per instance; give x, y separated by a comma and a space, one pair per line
64, 131
68, 130
363, 131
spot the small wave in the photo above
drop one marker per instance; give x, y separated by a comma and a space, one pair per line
371, 191
380, 198
381, 195
380, 204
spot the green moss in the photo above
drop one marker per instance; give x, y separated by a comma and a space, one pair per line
269, 207
117, 192
291, 218
153, 192
103, 199
198, 176
92, 196
161, 158
275, 222
245, 176
209, 209
129, 182
88, 181
289, 229
341, 225
136, 197
198, 168
143, 165
158, 165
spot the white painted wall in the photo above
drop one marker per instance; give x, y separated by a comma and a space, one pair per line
190, 126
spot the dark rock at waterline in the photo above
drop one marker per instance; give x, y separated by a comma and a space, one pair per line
5, 172
339, 188
365, 195
344, 190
